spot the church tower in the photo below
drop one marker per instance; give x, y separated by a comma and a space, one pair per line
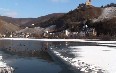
88, 3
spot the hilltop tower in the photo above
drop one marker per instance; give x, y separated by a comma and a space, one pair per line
88, 3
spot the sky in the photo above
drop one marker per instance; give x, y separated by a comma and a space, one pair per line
37, 8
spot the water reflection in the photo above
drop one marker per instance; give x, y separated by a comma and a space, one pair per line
33, 65
25, 48
38, 54
23, 64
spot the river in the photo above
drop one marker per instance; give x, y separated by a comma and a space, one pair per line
63, 56
16, 53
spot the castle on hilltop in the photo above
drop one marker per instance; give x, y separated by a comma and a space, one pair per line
88, 3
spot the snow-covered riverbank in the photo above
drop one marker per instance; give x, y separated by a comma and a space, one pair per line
4, 68
49, 40
60, 40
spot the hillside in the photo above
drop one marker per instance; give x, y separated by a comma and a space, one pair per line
16, 21
42, 19
7, 27
27, 22
73, 18
102, 19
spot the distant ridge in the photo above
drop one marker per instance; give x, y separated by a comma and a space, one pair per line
27, 22
7, 27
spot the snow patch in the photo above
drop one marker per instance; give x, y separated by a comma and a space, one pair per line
4, 68
107, 13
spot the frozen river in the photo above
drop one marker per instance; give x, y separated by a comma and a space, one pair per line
26, 62
76, 54
88, 56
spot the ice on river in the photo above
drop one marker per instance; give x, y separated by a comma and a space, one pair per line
101, 56
4, 68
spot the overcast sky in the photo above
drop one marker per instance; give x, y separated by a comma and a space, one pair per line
37, 8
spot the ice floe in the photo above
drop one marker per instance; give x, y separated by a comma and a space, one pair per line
4, 68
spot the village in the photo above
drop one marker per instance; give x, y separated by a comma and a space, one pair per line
86, 32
